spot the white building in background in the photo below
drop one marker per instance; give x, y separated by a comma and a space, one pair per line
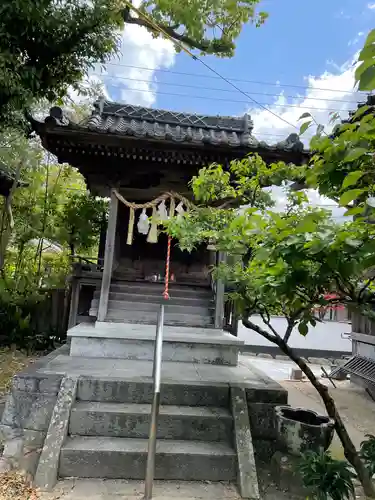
331, 335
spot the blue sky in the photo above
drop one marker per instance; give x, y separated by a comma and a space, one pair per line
300, 40
304, 55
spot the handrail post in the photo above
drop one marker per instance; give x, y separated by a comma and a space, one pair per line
156, 375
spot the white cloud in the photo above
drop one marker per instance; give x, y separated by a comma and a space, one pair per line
371, 6
338, 94
127, 83
315, 200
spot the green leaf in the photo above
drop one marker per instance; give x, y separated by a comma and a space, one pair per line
353, 243
352, 178
367, 79
334, 116
349, 196
303, 329
307, 225
366, 53
304, 127
371, 201
353, 211
370, 38
354, 154
305, 115
360, 111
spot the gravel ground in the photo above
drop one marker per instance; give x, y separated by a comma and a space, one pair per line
98, 489
355, 406
11, 362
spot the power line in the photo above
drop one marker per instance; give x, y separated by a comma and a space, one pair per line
199, 75
200, 87
196, 58
239, 101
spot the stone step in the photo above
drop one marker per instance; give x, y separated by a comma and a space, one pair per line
153, 307
130, 341
129, 420
158, 288
122, 458
141, 391
156, 299
149, 318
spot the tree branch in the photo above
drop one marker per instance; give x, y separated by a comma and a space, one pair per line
204, 46
288, 331
252, 326
267, 321
364, 288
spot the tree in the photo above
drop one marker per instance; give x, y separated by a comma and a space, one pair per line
211, 27
48, 46
81, 221
285, 263
342, 165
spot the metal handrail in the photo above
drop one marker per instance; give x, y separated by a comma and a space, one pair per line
156, 375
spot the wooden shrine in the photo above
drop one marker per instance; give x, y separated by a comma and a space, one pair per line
137, 154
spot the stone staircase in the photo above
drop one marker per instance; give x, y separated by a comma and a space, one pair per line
109, 426
138, 302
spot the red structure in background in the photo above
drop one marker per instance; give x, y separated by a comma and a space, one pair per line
329, 312
331, 296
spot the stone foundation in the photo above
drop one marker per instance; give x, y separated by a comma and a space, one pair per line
27, 414
261, 404
37, 411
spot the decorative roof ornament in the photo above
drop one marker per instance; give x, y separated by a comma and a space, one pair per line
56, 117
291, 143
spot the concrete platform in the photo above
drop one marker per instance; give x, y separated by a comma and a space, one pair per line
136, 342
172, 372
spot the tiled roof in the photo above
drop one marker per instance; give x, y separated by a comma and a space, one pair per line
183, 128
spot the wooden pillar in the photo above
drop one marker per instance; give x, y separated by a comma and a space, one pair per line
219, 295
108, 257
102, 237
74, 302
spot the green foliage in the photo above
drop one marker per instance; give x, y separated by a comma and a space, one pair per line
325, 477
288, 261
20, 306
365, 72
81, 221
342, 166
197, 24
51, 212
243, 183
367, 453
47, 46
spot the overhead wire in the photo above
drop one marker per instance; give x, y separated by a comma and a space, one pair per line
238, 101
240, 80
200, 87
196, 58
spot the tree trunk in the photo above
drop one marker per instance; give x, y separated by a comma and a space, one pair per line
349, 448
350, 451
6, 227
